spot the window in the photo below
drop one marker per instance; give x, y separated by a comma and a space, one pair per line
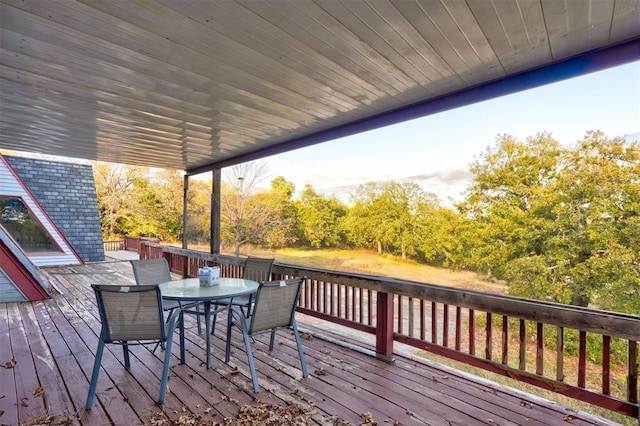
25, 229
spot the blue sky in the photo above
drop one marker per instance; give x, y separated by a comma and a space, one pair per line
435, 151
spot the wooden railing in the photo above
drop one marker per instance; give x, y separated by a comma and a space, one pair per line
114, 245
475, 328
133, 243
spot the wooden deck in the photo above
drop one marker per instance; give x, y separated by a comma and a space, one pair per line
47, 351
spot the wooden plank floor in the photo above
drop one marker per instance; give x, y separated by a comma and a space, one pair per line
47, 350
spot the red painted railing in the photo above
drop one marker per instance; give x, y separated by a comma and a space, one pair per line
467, 326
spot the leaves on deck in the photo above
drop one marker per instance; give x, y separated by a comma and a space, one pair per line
9, 364
368, 419
39, 391
260, 414
52, 419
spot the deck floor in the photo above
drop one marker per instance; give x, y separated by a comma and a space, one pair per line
47, 352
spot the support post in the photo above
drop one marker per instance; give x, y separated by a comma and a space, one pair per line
384, 326
216, 188
185, 239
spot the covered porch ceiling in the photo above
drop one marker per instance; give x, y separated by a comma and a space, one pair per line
195, 85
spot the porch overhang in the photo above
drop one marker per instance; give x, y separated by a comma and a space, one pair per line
203, 85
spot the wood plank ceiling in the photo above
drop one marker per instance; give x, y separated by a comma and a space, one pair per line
192, 84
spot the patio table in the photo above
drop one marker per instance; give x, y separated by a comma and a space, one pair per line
189, 290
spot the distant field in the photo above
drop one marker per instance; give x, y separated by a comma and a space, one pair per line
371, 263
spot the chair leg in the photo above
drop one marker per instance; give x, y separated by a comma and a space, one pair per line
125, 352
272, 339
252, 367
247, 344
198, 317
167, 355
300, 352
227, 351
213, 321
182, 350
94, 376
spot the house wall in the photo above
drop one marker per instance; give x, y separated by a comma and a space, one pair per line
8, 291
66, 191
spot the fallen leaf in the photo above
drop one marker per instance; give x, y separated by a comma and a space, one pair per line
9, 364
526, 404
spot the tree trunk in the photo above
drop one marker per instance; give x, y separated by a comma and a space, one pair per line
579, 299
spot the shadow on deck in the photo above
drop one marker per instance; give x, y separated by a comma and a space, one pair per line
47, 351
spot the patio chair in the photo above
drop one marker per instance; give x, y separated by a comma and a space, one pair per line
156, 271
131, 315
274, 308
256, 269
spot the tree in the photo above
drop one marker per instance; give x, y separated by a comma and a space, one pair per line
596, 210
199, 211
245, 216
559, 223
279, 202
507, 201
384, 215
438, 230
114, 183
320, 219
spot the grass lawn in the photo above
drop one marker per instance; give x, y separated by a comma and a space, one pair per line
368, 262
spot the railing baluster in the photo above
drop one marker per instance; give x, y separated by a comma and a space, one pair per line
540, 348
422, 321
361, 305
458, 326
411, 317
400, 328
488, 349
472, 332
632, 376
348, 312
606, 365
560, 355
434, 323
505, 340
332, 307
582, 359
369, 307
445, 325
522, 365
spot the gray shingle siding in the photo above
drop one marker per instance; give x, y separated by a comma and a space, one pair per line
67, 192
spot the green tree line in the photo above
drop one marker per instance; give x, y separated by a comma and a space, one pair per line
554, 223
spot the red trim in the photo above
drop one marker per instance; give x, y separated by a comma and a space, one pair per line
44, 212
16, 271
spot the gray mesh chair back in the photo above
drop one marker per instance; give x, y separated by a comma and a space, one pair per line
131, 315
274, 308
156, 271
151, 271
257, 269
275, 305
